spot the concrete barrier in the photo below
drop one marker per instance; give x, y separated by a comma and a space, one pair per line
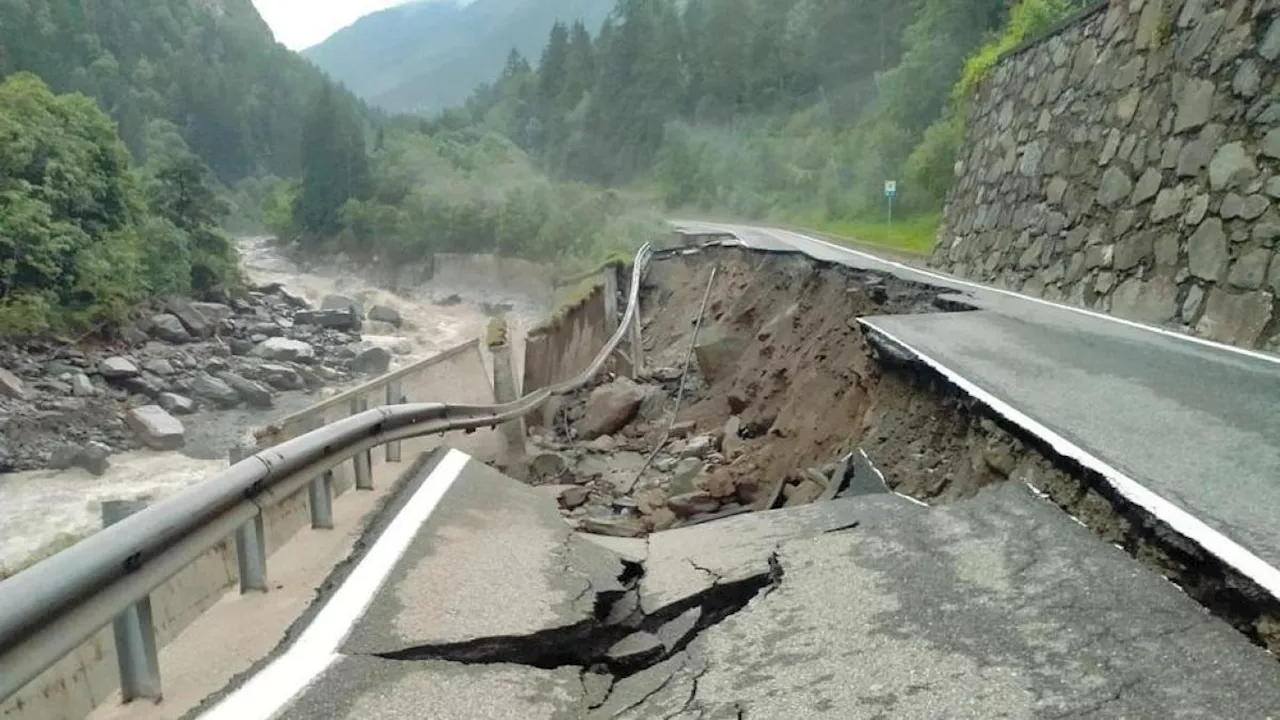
86, 677
561, 347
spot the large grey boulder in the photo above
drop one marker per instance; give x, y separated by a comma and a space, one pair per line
284, 350
345, 319
176, 404
372, 360
204, 385
215, 312
169, 328
342, 302
156, 428
281, 377
192, 319
115, 368
389, 315
609, 408
251, 392
10, 385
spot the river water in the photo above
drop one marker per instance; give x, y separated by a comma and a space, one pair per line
46, 509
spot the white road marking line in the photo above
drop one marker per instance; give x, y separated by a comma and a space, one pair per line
1181, 521
778, 233
268, 692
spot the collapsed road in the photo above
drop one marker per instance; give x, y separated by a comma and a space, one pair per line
826, 526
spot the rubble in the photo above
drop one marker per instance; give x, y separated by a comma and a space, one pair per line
193, 356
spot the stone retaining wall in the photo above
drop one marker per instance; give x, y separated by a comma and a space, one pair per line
1130, 164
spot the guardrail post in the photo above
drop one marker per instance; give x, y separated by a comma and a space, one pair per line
363, 460
134, 630
394, 397
320, 493
251, 544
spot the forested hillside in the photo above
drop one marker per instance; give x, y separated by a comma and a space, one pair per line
84, 236
426, 56
209, 67
760, 107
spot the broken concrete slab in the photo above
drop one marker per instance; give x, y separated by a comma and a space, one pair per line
363, 688
1000, 606
495, 560
635, 651
634, 550
675, 632
687, 561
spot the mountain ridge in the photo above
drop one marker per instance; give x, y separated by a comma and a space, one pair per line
427, 56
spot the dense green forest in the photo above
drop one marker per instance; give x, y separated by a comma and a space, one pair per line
786, 108
427, 188
84, 235
110, 193
212, 69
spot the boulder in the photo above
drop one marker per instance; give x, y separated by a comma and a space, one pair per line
685, 474
156, 428
281, 377
81, 386
11, 386
94, 458
91, 457
251, 392
389, 315
694, 503
115, 368
204, 385
192, 319
214, 312
574, 497
176, 404
344, 319
285, 350
169, 328
609, 408
805, 493
158, 366
372, 360
342, 302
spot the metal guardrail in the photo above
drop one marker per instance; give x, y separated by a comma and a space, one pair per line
49, 609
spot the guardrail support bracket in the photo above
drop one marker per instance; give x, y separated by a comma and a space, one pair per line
363, 460
251, 555
321, 496
135, 632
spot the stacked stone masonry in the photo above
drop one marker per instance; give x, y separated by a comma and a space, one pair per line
1130, 164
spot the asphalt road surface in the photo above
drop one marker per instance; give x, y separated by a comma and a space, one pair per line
1187, 429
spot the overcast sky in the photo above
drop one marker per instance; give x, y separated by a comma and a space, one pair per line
300, 24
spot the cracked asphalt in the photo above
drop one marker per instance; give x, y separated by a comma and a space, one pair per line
996, 607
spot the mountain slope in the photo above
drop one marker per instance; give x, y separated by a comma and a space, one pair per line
426, 56
210, 67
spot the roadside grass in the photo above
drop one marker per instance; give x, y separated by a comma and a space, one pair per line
914, 235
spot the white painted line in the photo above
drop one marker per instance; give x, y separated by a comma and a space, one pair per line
778, 234
885, 482
270, 691
1181, 521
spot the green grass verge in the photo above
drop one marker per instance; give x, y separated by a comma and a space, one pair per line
914, 235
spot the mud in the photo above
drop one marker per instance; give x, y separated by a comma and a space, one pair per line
800, 390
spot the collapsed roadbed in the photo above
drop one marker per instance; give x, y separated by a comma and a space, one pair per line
804, 520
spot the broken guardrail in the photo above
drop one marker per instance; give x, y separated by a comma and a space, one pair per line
49, 609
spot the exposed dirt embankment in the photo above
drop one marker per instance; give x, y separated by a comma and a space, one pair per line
787, 400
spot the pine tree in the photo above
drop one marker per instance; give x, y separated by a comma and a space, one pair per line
335, 167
